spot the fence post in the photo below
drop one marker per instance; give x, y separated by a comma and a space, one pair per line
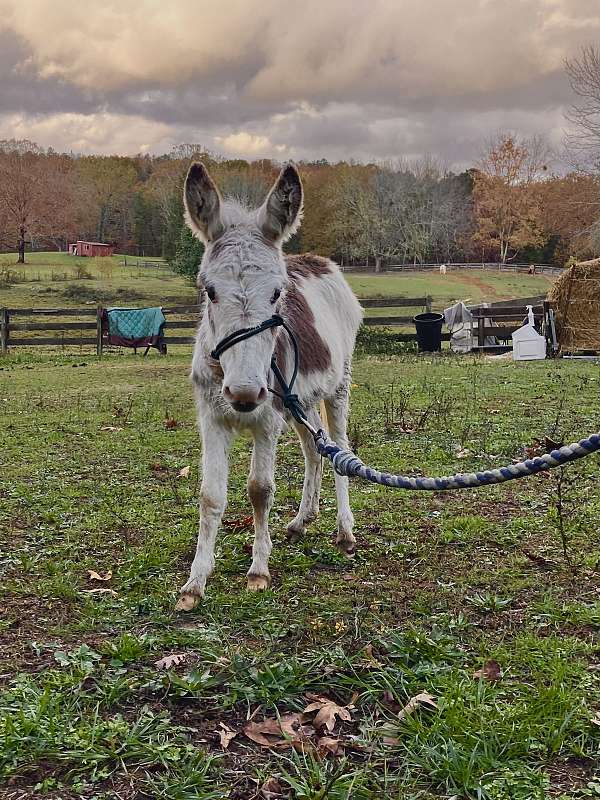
99, 331
4, 318
428, 302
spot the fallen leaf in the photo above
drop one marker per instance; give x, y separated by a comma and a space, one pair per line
110, 428
423, 699
327, 712
99, 591
171, 423
158, 468
370, 657
327, 745
489, 672
226, 735
271, 789
551, 444
534, 450
166, 662
96, 576
184, 472
536, 558
274, 732
238, 524
596, 719
463, 452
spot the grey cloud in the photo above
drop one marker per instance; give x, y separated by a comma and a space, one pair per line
336, 79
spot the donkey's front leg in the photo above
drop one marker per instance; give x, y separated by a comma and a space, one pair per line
216, 441
337, 417
261, 488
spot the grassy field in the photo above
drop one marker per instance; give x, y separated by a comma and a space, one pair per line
59, 280
486, 600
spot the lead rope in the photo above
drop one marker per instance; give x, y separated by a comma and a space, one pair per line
347, 463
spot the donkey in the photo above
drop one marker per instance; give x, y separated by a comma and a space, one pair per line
246, 279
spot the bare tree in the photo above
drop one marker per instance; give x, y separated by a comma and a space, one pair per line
583, 143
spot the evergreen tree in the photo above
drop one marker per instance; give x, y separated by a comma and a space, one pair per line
188, 254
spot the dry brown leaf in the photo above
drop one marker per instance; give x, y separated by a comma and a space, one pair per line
171, 423
166, 662
423, 699
271, 789
96, 576
158, 468
238, 524
226, 735
184, 472
371, 658
327, 745
99, 591
273, 732
327, 712
490, 671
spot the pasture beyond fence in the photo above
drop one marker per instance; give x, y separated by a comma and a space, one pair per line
35, 327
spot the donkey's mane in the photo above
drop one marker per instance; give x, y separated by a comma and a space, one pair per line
236, 212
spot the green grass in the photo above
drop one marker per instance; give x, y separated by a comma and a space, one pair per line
441, 583
51, 280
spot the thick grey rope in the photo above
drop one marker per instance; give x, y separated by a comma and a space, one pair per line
346, 463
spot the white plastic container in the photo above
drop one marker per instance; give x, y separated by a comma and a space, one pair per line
528, 345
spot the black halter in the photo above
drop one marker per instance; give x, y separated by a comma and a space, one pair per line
290, 400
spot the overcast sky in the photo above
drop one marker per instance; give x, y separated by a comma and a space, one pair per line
306, 79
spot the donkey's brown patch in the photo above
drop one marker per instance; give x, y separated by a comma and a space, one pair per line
314, 354
307, 265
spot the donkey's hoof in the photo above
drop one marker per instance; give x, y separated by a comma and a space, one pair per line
258, 583
187, 602
293, 535
347, 547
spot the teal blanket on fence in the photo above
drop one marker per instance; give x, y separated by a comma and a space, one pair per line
135, 323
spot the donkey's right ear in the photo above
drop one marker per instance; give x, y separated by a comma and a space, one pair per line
202, 203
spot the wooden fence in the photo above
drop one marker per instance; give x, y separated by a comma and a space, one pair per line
501, 321
540, 269
25, 327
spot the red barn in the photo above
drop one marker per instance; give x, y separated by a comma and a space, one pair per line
80, 248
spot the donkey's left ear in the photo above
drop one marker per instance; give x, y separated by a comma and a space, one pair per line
281, 213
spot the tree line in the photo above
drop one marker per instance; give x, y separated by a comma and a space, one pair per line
509, 205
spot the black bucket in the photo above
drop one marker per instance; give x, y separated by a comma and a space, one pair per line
429, 331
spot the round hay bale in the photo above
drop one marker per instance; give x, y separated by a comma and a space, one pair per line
575, 297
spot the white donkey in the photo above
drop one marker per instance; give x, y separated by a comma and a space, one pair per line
247, 279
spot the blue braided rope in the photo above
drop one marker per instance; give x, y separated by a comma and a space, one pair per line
346, 463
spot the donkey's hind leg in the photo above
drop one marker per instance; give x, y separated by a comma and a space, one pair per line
337, 418
309, 505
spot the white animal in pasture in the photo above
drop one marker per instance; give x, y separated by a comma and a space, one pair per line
246, 279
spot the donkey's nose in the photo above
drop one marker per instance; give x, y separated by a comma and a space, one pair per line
244, 398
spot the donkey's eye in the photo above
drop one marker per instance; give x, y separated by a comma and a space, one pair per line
276, 295
211, 294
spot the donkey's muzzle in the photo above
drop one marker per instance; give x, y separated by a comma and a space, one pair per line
245, 398
244, 407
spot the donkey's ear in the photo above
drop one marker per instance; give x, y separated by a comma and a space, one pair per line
202, 203
281, 213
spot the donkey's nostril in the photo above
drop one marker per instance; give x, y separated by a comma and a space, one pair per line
244, 395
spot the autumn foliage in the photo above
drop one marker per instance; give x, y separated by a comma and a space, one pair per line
507, 207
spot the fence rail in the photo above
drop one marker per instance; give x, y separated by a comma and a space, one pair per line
540, 269
179, 318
